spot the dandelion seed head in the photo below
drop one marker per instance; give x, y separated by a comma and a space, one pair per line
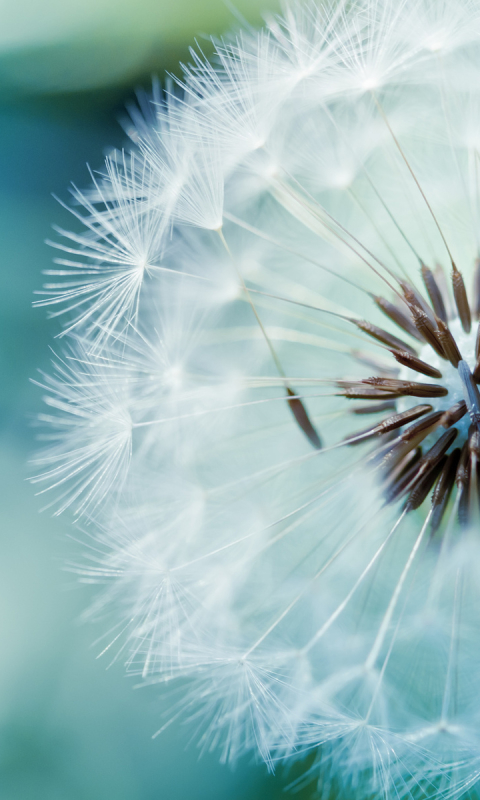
267, 416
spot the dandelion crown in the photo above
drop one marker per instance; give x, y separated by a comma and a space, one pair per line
266, 417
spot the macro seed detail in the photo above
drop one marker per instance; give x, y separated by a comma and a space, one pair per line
432, 470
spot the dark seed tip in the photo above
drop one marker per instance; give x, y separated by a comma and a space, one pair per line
303, 420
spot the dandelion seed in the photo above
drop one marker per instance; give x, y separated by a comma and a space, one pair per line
292, 245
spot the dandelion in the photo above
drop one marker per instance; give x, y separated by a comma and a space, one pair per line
267, 420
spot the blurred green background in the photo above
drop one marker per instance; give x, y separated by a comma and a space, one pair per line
69, 728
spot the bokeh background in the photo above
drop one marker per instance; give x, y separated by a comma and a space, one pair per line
70, 729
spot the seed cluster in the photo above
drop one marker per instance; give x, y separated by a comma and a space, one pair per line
407, 468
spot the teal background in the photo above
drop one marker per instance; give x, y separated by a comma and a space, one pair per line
70, 729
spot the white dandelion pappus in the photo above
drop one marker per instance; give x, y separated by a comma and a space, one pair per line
292, 247
89, 434
120, 244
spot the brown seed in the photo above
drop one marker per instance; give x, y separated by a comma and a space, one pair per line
408, 388
367, 393
424, 426
397, 316
448, 343
443, 285
427, 329
303, 420
390, 424
415, 363
422, 486
436, 453
408, 440
434, 293
476, 371
414, 298
443, 489
476, 290
398, 420
461, 299
382, 336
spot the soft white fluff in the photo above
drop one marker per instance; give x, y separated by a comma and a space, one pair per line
263, 197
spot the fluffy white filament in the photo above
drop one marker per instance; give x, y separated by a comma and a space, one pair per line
266, 200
